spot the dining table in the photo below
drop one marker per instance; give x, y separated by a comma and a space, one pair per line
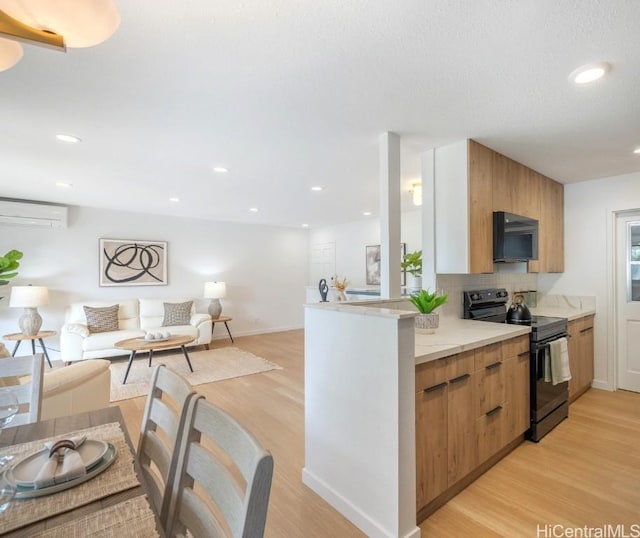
114, 502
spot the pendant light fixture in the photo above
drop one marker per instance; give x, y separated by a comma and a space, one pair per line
59, 24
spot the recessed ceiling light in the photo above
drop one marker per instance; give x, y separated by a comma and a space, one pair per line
220, 169
590, 72
305, 225
68, 138
316, 188
637, 150
174, 199
367, 213
253, 209
64, 185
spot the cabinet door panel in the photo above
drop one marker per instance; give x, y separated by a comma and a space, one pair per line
517, 393
431, 444
462, 456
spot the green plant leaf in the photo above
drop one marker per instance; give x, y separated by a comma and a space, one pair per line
427, 302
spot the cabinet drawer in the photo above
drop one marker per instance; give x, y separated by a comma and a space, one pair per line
489, 433
585, 324
460, 365
515, 347
486, 355
490, 388
431, 374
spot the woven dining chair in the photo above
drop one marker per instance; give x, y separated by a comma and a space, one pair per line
223, 478
160, 433
30, 393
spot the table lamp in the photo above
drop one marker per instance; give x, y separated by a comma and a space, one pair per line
215, 291
29, 298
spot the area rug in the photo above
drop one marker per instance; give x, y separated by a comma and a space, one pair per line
208, 366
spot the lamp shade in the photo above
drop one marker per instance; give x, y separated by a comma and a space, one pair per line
29, 296
417, 193
82, 23
10, 53
215, 290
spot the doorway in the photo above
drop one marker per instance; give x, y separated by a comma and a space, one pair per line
627, 257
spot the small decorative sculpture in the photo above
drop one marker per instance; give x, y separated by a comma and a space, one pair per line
340, 286
324, 289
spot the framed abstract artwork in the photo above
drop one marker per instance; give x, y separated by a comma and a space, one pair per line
128, 262
372, 268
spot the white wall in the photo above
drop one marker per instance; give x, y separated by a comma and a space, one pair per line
265, 268
352, 238
589, 217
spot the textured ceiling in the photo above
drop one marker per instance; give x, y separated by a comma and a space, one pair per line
293, 94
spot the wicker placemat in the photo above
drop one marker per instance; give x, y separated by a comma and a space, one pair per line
118, 477
129, 518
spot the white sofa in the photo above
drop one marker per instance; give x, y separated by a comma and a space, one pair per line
135, 318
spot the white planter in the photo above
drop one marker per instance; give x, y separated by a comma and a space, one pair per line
414, 283
427, 321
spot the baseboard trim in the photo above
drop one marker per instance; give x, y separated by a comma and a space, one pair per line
225, 336
347, 509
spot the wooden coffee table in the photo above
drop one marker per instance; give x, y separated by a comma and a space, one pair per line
140, 344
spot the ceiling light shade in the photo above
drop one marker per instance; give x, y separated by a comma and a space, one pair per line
82, 23
10, 53
590, 72
637, 150
416, 191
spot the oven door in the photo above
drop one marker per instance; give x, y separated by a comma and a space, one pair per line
545, 397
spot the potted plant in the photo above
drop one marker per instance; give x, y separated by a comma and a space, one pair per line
426, 303
412, 264
8, 266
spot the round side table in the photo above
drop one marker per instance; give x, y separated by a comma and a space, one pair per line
19, 337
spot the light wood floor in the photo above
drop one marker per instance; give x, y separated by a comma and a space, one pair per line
585, 472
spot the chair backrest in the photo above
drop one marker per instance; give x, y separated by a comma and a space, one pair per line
232, 472
27, 393
160, 432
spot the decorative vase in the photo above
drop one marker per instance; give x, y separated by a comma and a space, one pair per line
430, 322
414, 283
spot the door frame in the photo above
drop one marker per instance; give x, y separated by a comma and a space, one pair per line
612, 290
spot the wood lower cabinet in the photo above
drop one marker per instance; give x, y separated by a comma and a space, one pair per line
445, 395
581, 356
469, 407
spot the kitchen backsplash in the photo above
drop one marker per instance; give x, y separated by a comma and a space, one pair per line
454, 285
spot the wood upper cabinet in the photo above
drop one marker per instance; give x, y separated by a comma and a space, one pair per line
473, 180
550, 227
480, 212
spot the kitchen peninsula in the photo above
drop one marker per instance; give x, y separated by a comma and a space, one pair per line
360, 422
363, 364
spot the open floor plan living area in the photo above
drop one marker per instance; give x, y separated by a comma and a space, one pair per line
319, 269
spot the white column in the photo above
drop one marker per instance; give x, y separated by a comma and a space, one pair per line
389, 216
428, 221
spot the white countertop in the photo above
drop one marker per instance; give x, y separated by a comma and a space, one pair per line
457, 335
563, 312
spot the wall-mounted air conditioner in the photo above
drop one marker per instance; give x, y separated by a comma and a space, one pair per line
23, 213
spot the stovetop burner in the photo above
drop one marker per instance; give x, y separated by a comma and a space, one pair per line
491, 305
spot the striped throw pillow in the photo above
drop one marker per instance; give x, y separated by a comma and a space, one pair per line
177, 314
102, 319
